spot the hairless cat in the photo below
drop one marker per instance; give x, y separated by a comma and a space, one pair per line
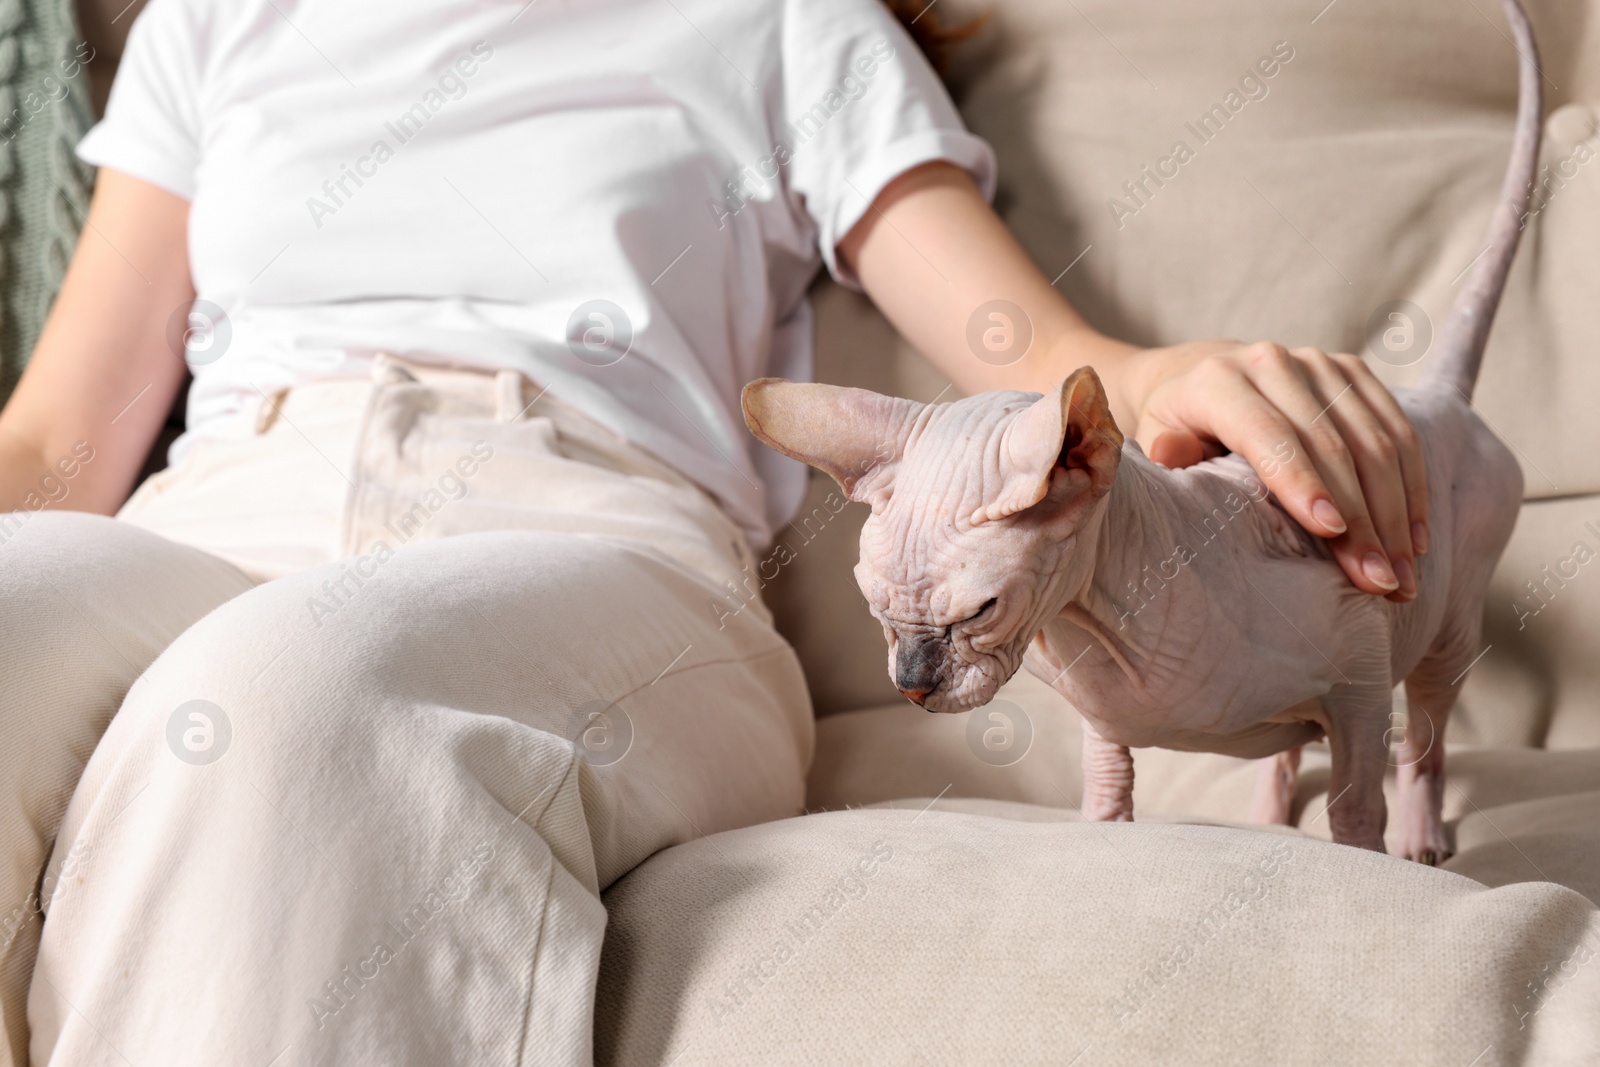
1178, 608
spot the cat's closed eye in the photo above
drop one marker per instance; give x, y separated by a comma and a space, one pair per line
987, 604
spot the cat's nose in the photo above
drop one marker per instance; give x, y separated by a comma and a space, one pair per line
916, 666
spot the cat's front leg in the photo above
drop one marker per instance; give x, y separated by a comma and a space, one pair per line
1107, 779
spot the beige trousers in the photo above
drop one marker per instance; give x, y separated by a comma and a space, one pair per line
322, 752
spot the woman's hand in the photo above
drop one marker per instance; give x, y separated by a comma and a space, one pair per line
1323, 434
1321, 431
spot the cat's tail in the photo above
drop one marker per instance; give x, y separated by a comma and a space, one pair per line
1461, 342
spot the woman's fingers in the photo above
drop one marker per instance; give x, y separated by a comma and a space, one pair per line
1254, 428
1259, 429
1323, 473
1404, 436
1376, 458
1322, 432
1177, 449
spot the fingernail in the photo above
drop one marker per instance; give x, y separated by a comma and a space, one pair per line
1419, 538
1328, 516
1377, 569
1407, 575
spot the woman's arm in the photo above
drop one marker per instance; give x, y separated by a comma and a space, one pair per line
102, 377
1321, 431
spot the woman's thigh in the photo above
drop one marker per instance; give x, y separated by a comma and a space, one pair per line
86, 603
411, 776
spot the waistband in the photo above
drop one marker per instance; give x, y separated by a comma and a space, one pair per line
325, 464
504, 394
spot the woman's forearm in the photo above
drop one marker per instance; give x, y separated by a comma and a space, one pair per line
102, 378
1320, 430
953, 281
31, 481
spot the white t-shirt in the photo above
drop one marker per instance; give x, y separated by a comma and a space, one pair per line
624, 199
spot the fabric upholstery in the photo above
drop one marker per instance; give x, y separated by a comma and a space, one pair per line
943, 936
982, 941
880, 755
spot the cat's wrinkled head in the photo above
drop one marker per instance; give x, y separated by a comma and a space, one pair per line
977, 510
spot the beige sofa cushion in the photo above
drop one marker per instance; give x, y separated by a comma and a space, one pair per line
1548, 800
1539, 683
989, 925
1366, 174
939, 936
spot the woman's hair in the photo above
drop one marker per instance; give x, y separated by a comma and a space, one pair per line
936, 38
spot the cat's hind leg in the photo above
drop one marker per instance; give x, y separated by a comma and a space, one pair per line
1431, 693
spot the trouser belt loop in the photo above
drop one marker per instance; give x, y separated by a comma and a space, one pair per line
387, 370
508, 405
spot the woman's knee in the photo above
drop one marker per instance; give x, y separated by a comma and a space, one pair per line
566, 610
121, 589
86, 604
485, 623
530, 627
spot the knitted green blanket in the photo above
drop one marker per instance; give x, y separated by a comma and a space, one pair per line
44, 190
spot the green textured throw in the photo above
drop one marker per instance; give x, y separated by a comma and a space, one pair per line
44, 190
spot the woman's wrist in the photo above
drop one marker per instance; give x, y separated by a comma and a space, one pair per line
1117, 363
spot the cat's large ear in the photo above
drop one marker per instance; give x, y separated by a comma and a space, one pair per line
853, 434
1066, 441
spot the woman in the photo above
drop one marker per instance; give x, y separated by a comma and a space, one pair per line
419, 644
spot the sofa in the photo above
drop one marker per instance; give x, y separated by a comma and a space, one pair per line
941, 901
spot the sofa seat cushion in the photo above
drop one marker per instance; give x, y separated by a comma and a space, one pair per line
1014, 934
1517, 814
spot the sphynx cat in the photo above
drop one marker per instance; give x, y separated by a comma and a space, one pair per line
1177, 608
